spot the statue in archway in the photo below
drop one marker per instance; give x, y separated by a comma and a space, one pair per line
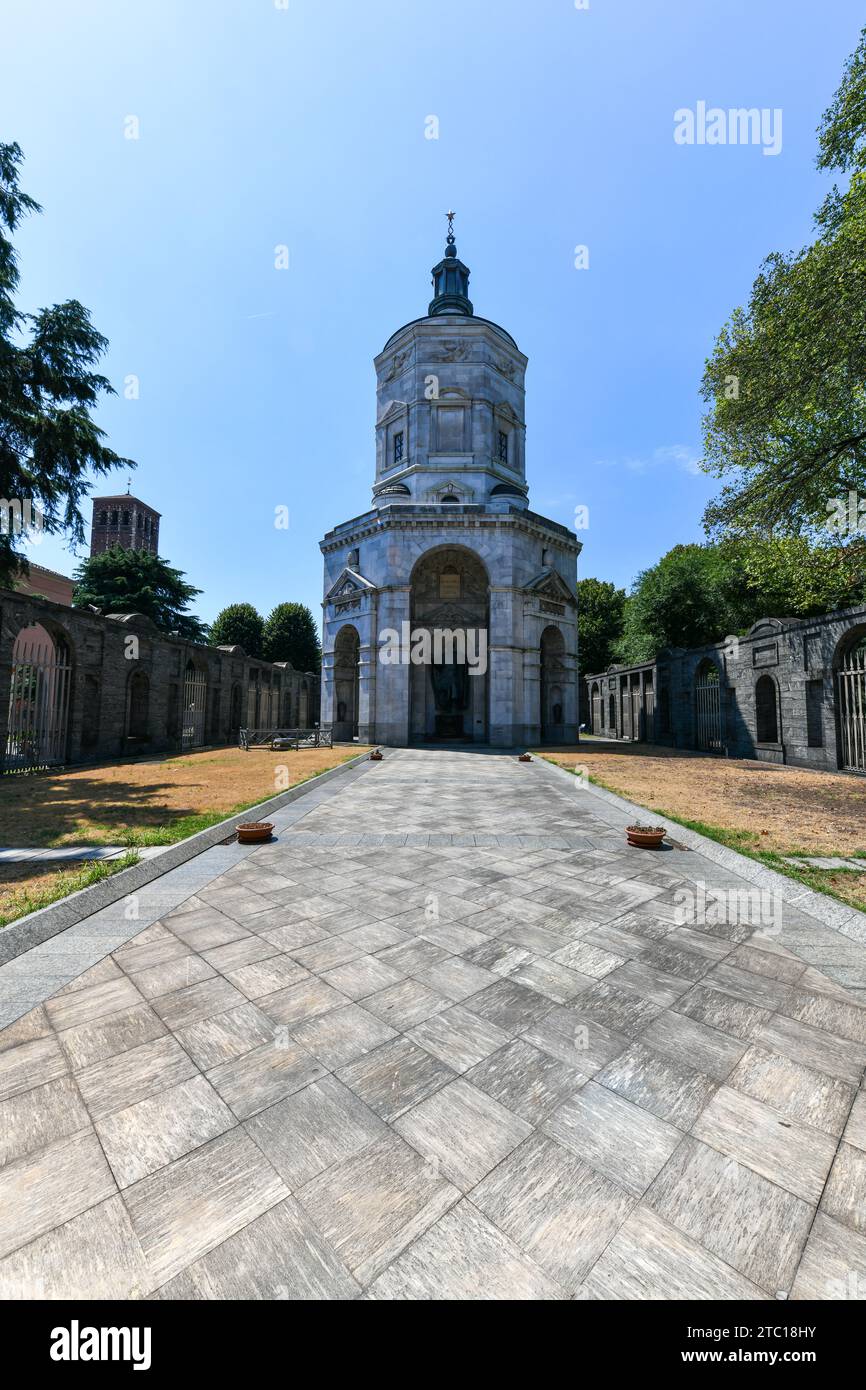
450, 686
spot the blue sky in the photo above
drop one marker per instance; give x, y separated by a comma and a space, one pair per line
303, 125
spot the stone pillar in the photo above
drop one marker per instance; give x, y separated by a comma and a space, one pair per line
327, 701
505, 688
570, 700
506, 672
390, 722
478, 688
531, 731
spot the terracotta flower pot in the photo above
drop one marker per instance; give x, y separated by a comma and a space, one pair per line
646, 836
525, 758
254, 832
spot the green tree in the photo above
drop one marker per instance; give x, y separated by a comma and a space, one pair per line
786, 383
698, 594
135, 581
239, 625
48, 440
790, 576
686, 599
291, 635
600, 616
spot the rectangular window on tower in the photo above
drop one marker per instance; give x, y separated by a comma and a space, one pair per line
398, 447
503, 447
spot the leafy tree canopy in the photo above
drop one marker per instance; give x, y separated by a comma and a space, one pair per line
291, 635
701, 593
600, 614
48, 389
786, 383
682, 601
135, 581
789, 576
239, 625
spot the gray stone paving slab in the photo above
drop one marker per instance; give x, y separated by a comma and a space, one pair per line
447, 1036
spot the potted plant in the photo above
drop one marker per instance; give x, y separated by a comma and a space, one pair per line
646, 836
255, 832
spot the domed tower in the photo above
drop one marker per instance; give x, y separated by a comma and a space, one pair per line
450, 545
450, 403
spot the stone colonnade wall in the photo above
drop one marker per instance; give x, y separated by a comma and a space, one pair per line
127, 682
778, 692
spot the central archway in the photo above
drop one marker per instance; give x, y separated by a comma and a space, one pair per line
448, 672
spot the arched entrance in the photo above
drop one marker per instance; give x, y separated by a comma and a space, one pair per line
347, 683
448, 671
850, 677
39, 699
194, 706
708, 707
552, 673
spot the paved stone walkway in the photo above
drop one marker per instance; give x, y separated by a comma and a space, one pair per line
446, 1038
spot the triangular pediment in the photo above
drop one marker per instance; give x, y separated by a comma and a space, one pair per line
391, 410
349, 583
549, 584
449, 486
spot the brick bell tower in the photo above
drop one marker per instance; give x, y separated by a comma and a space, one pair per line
123, 520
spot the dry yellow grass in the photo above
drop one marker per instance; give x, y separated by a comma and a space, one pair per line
785, 810
155, 801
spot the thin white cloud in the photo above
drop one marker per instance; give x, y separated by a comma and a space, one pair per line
681, 456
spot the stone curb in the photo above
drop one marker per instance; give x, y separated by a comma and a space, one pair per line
828, 911
46, 922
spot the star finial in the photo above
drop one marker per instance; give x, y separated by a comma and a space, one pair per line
450, 216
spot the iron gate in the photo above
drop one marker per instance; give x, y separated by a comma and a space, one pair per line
708, 710
38, 707
851, 687
194, 709
637, 728
649, 705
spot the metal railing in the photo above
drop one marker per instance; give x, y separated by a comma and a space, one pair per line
284, 738
851, 686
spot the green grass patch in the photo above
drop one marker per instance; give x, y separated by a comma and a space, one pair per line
19, 903
180, 827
